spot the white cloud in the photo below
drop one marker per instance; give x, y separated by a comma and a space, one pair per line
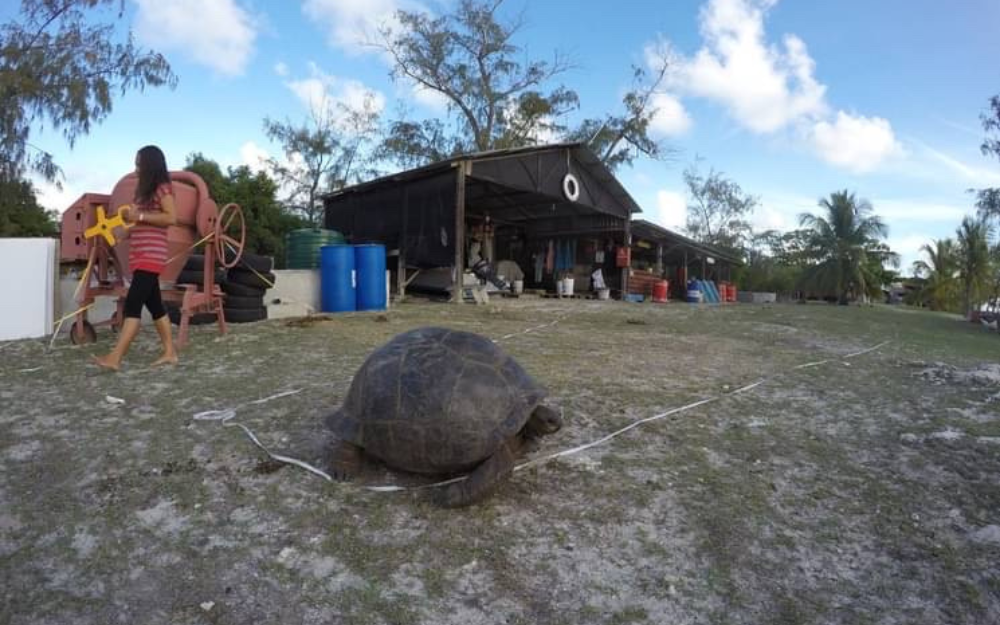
79, 179
768, 87
781, 210
908, 248
765, 87
216, 33
769, 218
253, 156
322, 93
351, 23
976, 176
51, 197
280, 69
671, 210
856, 143
670, 119
433, 100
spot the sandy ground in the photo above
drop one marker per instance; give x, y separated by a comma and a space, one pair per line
859, 490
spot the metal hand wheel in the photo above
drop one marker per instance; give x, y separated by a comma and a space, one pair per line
230, 235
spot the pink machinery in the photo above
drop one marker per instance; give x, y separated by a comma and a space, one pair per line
199, 221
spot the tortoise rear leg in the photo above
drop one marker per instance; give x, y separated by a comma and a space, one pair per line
345, 460
483, 480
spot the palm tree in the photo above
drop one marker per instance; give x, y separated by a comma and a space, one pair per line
939, 270
973, 260
844, 246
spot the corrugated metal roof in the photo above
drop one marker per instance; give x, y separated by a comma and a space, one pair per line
582, 154
649, 230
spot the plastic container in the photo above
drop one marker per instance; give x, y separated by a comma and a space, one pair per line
518, 286
694, 294
708, 294
369, 260
567, 289
302, 247
604, 294
660, 289
338, 279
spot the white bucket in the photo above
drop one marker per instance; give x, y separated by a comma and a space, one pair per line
603, 293
519, 286
567, 286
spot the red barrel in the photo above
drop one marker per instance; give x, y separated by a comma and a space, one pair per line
731, 292
660, 288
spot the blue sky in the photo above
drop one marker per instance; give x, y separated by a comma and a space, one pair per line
792, 99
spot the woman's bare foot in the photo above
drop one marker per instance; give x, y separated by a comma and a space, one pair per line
107, 362
166, 359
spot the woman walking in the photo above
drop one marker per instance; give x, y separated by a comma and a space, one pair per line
150, 215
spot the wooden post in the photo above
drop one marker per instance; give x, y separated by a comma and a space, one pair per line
628, 245
659, 259
457, 283
401, 259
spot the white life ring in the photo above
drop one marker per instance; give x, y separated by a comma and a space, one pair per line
571, 187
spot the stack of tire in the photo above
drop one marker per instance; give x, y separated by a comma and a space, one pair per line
193, 273
245, 286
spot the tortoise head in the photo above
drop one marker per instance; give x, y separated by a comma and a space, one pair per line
544, 420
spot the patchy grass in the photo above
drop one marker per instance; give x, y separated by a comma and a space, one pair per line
857, 491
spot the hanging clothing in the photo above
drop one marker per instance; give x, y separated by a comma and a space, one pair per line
597, 280
550, 258
539, 266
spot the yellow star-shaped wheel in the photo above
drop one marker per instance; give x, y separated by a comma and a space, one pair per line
105, 227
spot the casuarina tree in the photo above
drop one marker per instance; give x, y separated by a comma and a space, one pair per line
58, 68
495, 97
327, 152
718, 210
988, 200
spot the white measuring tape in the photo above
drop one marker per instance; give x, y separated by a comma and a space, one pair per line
529, 330
225, 417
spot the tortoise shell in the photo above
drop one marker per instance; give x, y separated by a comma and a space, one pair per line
434, 400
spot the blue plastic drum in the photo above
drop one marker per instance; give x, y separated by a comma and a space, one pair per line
338, 279
370, 263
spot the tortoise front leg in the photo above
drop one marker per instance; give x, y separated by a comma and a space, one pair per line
483, 479
345, 460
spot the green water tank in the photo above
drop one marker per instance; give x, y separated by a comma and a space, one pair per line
302, 246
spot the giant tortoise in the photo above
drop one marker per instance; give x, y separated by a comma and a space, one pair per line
440, 401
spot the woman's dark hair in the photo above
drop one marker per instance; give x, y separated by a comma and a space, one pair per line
152, 172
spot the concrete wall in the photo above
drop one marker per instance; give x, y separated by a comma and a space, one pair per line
755, 297
28, 307
295, 293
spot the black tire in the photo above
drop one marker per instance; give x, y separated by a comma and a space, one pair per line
195, 262
256, 262
197, 319
236, 301
261, 280
241, 290
245, 315
191, 276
